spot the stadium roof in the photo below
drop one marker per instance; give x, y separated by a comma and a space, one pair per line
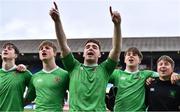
145, 44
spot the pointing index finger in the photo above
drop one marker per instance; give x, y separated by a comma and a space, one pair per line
110, 9
55, 5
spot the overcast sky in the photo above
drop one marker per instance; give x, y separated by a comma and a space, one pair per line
29, 19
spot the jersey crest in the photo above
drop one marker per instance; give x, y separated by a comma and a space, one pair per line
57, 79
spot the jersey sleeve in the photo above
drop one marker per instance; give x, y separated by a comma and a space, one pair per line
66, 79
31, 93
69, 62
28, 77
113, 77
109, 65
150, 73
154, 74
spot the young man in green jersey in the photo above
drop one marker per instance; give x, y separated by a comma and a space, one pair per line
49, 84
161, 94
88, 81
130, 83
12, 81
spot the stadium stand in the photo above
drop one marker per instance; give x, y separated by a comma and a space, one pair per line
151, 47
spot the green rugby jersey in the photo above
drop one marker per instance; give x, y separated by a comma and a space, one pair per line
12, 87
50, 88
87, 86
131, 89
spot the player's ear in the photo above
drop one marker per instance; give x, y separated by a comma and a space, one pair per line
140, 60
16, 55
55, 53
99, 55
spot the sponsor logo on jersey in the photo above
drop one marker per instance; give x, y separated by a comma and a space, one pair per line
39, 80
123, 78
152, 89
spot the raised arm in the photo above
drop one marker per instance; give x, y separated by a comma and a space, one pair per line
61, 37
117, 38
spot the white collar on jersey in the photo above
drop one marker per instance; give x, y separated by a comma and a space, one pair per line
50, 70
93, 65
132, 72
14, 67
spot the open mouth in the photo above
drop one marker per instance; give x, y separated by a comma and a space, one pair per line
44, 54
131, 60
5, 53
90, 53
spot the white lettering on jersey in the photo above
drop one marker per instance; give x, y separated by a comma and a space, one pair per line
39, 80
122, 78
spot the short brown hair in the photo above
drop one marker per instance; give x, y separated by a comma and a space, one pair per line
13, 46
134, 50
166, 58
93, 41
48, 43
